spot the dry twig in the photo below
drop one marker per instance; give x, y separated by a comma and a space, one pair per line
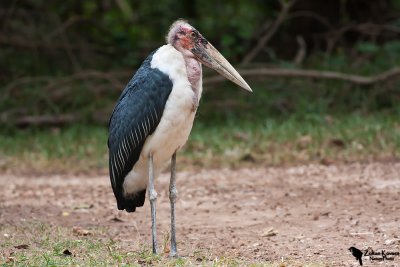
301, 52
271, 31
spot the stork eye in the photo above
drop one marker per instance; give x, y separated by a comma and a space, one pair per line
194, 34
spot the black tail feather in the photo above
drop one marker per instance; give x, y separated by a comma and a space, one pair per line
131, 202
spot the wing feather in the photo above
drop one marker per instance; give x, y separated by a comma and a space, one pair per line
130, 124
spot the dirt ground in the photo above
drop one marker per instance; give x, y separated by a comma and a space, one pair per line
312, 213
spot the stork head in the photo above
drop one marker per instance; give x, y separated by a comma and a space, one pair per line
187, 40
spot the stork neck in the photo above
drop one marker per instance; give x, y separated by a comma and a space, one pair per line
194, 72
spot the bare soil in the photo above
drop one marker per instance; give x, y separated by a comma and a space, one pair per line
312, 213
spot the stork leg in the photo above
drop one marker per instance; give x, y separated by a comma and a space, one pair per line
153, 198
173, 193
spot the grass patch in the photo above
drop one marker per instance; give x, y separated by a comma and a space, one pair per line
48, 245
285, 121
269, 141
312, 139
78, 148
33, 243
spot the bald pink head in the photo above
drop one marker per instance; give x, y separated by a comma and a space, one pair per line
187, 40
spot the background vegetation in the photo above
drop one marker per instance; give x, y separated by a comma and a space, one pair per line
64, 64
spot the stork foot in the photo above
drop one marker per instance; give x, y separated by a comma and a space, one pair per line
174, 255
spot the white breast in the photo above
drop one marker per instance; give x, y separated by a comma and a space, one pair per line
176, 123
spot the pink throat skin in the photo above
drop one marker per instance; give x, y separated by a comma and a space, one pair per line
194, 72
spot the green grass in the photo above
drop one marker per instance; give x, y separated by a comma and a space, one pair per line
46, 245
269, 141
285, 121
312, 139
79, 148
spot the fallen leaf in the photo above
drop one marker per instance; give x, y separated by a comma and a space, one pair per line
84, 207
166, 250
248, 157
80, 231
141, 262
336, 142
116, 219
66, 252
327, 162
269, 232
65, 213
23, 246
326, 213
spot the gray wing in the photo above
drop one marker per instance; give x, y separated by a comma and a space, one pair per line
135, 117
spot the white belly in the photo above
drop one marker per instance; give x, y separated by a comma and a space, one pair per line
175, 124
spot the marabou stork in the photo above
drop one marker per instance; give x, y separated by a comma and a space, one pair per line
154, 116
